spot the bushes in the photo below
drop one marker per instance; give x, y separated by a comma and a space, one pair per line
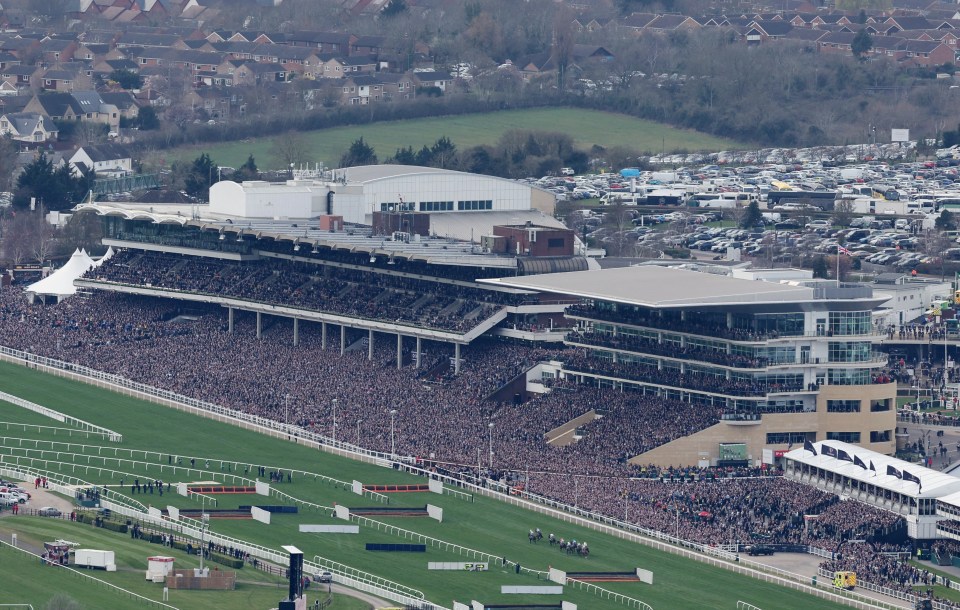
115, 527
226, 560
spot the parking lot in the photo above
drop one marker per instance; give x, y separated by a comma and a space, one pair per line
882, 214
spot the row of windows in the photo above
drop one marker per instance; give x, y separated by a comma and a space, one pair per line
789, 438
843, 406
846, 437
850, 351
436, 206
850, 322
484, 204
848, 376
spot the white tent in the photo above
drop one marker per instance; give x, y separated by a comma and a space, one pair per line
107, 255
60, 282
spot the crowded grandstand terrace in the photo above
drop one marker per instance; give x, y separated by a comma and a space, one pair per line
589, 362
353, 293
652, 346
440, 418
671, 321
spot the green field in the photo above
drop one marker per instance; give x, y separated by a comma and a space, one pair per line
486, 525
588, 127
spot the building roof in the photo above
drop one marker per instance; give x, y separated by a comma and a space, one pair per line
472, 225
662, 287
105, 152
933, 483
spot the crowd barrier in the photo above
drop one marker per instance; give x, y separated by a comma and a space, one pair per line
556, 509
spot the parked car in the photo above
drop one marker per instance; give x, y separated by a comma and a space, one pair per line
761, 549
324, 577
49, 511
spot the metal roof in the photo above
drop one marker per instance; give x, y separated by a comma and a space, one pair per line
652, 286
306, 233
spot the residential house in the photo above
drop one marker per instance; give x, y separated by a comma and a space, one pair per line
109, 66
900, 23
76, 106
110, 160
192, 61
427, 79
836, 43
322, 42
927, 53
672, 23
28, 127
361, 90
762, 31
253, 73
367, 45
134, 39
63, 79
55, 50
8, 59
18, 76
124, 102
397, 86
637, 21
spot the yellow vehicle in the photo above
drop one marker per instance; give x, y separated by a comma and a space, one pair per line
845, 580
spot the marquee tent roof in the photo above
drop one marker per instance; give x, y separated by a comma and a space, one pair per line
60, 282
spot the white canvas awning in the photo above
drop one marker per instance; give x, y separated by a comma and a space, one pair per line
60, 282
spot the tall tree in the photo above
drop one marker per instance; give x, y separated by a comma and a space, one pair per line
203, 174
861, 43
444, 152
359, 153
290, 150
247, 171
55, 188
753, 215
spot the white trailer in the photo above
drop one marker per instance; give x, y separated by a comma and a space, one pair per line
92, 558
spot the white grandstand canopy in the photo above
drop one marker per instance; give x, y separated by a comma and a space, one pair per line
60, 282
653, 286
933, 483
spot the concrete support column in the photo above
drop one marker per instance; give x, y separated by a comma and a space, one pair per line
370, 345
259, 323
616, 357
399, 351
323, 335
456, 358
229, 319
343, 339
417, 355
729, 319
296, 332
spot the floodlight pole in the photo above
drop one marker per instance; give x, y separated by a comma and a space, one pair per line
393, 443
204, 517
334, 421
490, 430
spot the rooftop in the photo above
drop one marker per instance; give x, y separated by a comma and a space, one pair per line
651, 286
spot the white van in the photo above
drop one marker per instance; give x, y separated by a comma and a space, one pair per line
11, 497
624, 198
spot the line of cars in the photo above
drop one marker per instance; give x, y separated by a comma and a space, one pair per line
11, 493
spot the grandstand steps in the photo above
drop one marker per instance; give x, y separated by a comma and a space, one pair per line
384, 296
474, 313
452, 308
304, 286
486, 325
421, 302
346, 290
174, 271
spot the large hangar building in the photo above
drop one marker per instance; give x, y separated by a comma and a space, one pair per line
356, 193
